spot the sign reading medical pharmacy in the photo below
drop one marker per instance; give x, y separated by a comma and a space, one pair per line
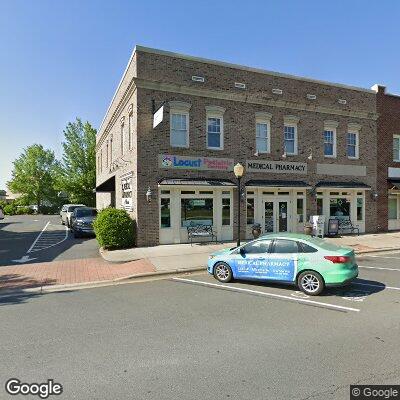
280, 269
282, 167
195, 163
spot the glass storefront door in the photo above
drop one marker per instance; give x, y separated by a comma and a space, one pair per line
269, 217
282, 216
275, 215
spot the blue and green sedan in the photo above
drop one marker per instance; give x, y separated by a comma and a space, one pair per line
310, 263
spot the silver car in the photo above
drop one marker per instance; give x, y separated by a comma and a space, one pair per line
66, 213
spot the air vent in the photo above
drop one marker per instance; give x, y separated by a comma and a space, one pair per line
197, 78
277, 91
240, 85
342, 101
311, 97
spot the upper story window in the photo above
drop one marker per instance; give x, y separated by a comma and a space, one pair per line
179, 123
290, 134
130, 126
330, 138
263, 132
122, 136
352, 141
215, 127
396, 148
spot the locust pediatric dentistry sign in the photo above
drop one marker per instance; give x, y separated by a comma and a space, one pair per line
195, 163
276, 167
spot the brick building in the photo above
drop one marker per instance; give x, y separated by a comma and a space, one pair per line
177, 125
388, 172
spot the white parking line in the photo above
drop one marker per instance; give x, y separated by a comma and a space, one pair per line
38, 237
47, 239
396, 258
388, 269
266, 294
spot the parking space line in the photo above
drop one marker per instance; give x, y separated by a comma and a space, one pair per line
38, 237
396, 258
378, 286
47, 239
267, 294
388, 269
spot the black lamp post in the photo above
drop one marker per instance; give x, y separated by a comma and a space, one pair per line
238, 170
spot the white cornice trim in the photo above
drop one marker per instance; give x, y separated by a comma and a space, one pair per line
353, 126
215, 110
291, 119
179, 106
263, 115
331, 124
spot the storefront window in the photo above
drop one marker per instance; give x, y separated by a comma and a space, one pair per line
393, 208
226, 211
300, 210
165, 213
320, 207
339, 208
250, 211
360, 206
196, 212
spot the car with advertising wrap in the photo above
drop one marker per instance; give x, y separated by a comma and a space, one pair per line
309, 262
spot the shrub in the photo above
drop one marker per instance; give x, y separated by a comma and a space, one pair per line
23, 210
114, 229
10, 209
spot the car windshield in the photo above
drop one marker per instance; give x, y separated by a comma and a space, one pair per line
86, 212
72, 208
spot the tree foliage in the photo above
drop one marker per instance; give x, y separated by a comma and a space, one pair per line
33, 175
77, 173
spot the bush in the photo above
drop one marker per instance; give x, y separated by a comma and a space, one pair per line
24, 210
114, 229
10, 209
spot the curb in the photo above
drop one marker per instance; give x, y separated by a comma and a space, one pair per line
89, 285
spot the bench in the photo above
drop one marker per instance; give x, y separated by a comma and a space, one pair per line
200, 231
345, 225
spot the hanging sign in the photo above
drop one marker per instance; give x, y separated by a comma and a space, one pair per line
158, 116
126, 186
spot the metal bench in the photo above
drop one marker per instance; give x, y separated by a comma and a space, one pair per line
345, 225
200, 231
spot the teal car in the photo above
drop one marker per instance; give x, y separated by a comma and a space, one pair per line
310, 263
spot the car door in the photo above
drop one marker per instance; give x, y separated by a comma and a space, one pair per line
250, 260
283, 260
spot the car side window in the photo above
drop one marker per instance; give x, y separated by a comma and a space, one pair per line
257, 247
285, 246
305, 248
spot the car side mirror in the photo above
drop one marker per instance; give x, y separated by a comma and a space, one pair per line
241, 251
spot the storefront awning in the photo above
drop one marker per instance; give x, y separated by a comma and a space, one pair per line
394, 184
196, 182
345, 185
107, 186
278, 183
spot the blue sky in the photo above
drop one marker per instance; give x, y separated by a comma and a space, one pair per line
63, 59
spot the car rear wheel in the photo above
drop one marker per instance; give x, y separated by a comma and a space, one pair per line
223, 272
311, 283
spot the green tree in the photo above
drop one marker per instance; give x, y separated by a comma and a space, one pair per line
33, 175
77, 173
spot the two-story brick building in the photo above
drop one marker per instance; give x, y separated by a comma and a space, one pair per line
177, 125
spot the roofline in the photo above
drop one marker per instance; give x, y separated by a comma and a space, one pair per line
246, 68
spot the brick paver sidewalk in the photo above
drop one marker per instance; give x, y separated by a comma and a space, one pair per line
69, 272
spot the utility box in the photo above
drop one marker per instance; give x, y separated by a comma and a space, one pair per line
318, 224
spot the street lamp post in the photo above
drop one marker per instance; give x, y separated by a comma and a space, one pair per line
238, 170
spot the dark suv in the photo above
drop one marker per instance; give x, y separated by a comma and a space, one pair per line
82, 221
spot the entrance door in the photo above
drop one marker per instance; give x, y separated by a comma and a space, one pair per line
275, 214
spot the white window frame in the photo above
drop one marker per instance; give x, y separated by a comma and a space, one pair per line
331, 126
264, 118
292, 122
215, 112
122, 137
354, 128
179, 108
398, 138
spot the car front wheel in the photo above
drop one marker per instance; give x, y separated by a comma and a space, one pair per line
311, 283
223, 272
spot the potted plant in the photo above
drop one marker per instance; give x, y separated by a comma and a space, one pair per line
308, 228
256, 230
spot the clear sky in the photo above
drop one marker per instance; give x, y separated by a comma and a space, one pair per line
63, 59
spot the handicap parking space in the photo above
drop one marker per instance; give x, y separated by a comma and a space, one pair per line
365, 294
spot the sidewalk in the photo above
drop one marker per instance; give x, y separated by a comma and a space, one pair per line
119, 265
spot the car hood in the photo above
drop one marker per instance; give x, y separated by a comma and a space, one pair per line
221, 252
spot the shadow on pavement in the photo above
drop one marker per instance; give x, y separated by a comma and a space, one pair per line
16, 281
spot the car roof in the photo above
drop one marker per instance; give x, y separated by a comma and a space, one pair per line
287, 235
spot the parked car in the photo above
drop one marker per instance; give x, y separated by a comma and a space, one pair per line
66, 212
82, 221
1, 213
310, 263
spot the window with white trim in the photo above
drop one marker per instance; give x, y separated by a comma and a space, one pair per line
290, 139
215, 127
179, 129
352, 144
263, 134
122, 138
130, 127
329, 143
396, 148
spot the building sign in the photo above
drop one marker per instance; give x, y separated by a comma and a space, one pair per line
281, 167
195, 163
158, 116
126, 186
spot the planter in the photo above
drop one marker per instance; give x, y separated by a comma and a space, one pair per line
256, 230
308, 230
